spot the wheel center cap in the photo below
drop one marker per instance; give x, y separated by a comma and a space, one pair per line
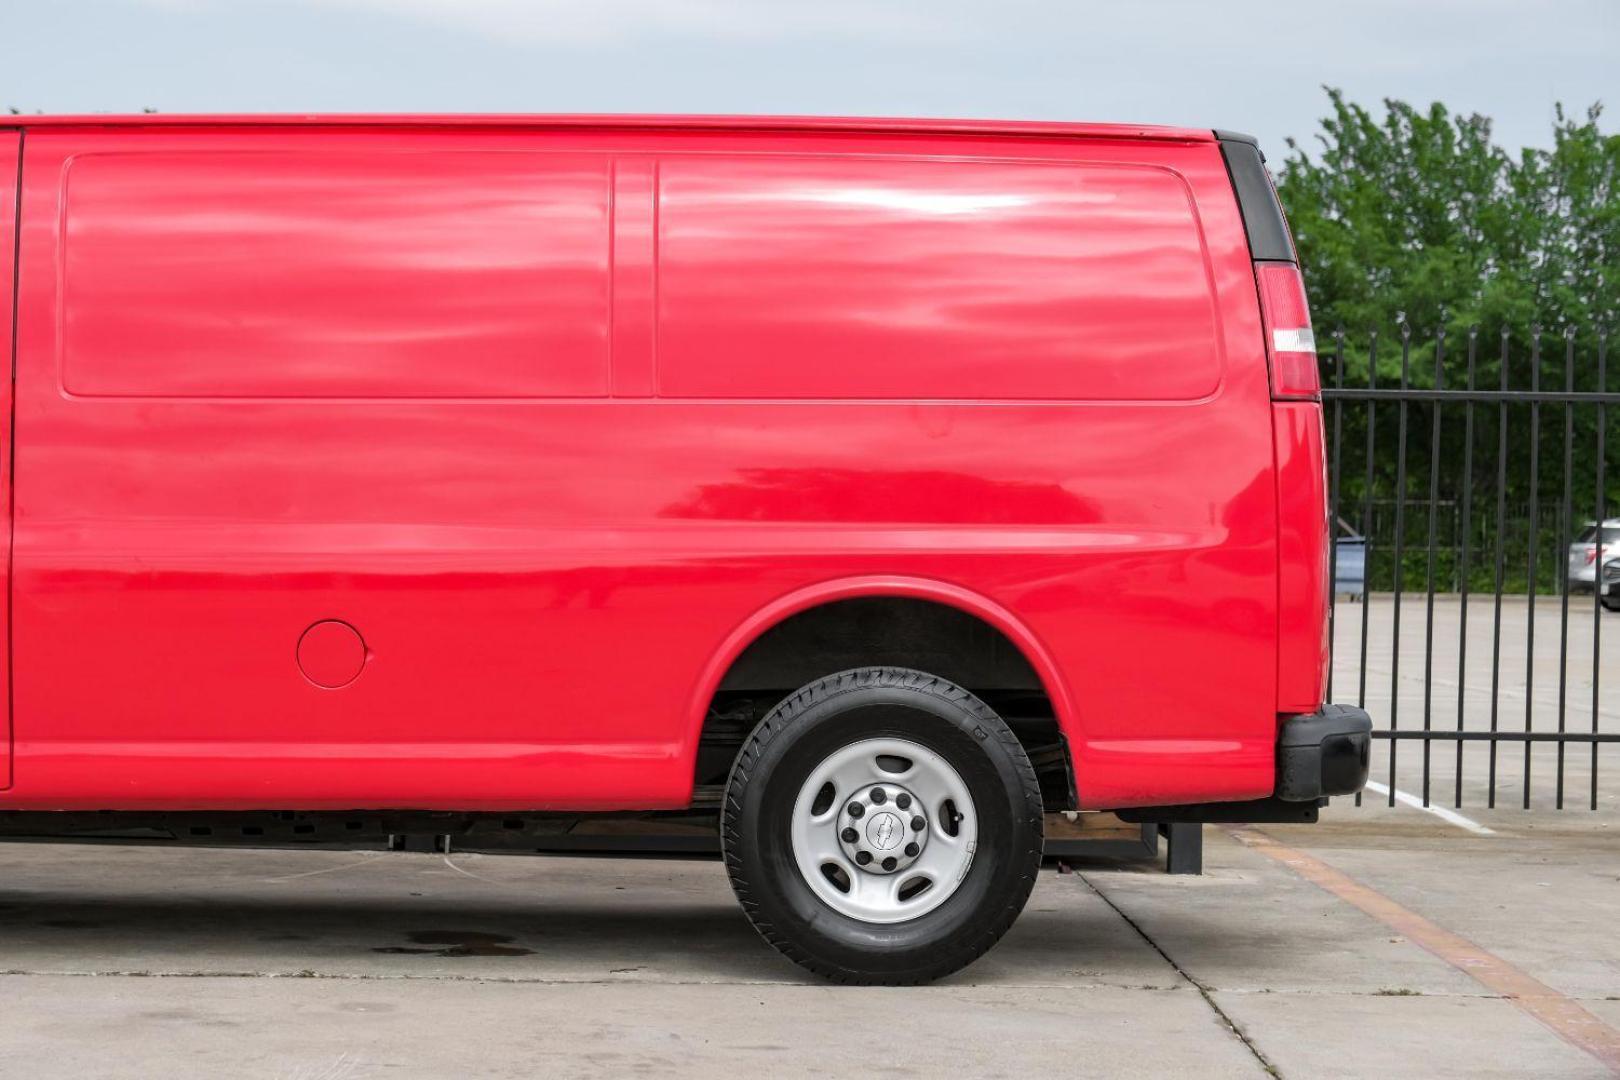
883, 831
881, 828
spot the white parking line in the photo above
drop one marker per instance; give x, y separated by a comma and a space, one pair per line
1451, 817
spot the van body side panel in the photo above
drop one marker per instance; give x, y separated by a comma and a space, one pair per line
499, 456
275, 379
1102, 302
10, 168
1302, 557
444, 270
925, 279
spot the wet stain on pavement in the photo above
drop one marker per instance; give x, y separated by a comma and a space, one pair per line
456, 943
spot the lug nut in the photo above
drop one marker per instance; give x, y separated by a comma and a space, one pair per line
889, 864
918, 824
902, 800
911, 850
878, 796
849, 835
863, 857
856, 810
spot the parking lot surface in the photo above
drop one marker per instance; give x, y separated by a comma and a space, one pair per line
134, 962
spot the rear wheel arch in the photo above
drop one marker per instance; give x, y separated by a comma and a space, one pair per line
743, 643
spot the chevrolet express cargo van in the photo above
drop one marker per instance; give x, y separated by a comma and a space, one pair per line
871, 487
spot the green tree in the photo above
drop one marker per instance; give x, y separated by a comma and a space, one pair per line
1415, 228
1418, 216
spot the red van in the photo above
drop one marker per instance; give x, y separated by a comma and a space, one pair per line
874, 487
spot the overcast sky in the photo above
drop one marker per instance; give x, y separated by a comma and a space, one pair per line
1250, 66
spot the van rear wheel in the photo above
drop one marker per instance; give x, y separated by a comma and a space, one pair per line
882, 825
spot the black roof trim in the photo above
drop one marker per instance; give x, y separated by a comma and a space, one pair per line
1237, 136
1257, 200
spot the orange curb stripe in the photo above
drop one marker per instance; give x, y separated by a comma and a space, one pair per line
1565, 1017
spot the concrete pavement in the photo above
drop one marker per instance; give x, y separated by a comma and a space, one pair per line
136, 962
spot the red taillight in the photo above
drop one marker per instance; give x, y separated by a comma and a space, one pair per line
1290, 346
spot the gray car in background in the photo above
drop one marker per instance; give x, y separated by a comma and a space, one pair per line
1585, 558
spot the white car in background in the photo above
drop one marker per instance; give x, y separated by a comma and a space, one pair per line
1585, 558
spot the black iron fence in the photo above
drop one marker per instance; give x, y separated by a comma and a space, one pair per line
1463, 477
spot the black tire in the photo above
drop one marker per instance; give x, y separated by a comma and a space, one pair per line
1611, 600
797, 736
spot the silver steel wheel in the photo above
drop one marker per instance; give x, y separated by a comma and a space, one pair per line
884, 830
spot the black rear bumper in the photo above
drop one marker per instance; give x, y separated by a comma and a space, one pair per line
1320, 754
1327, 752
